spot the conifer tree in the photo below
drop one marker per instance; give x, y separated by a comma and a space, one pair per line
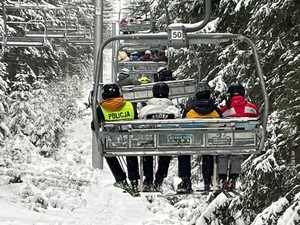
4, 131
22, 113
48, 123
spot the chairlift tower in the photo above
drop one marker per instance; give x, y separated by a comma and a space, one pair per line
98, 28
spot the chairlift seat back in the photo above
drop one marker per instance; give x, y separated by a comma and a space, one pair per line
143, 92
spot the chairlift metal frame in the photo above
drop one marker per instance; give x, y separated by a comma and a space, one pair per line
134, 26
39, 38
19, 41
161, 137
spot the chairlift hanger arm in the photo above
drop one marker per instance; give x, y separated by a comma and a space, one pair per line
199, 25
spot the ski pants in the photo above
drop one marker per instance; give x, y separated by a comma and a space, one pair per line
184, 166
234, 167
162, 170
207, 168
118, 172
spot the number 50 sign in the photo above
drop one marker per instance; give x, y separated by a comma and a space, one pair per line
176, 34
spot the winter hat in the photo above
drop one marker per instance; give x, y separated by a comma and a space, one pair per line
110, 91
148, 52
160, 90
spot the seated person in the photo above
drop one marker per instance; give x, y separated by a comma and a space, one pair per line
164, 74
125, 79
123, 21
123, 56
161, 57
134, 56
147, 56
144, 79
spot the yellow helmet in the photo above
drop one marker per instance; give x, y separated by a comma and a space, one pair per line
144, 80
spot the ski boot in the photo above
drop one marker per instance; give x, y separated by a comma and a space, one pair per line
134, 188
147, 186
157, 186
185, 186
222, 182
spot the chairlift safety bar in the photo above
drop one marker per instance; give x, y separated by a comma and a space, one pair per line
181, 136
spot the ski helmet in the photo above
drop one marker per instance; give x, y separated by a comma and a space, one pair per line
160, 90
203, 91
110, 91
236, 89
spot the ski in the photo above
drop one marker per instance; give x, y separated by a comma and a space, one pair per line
229, 193
176, 194
234, 191
225, 192
151, 192
127, 190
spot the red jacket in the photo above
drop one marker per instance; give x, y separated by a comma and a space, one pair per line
161, 58
146, 57
239, 107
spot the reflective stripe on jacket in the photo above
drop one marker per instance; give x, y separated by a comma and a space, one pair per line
125, 113
240, 107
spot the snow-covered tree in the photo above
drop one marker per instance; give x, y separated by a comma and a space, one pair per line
4, 131
22, 113
47, 127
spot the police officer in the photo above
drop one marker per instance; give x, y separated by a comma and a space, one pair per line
112, 108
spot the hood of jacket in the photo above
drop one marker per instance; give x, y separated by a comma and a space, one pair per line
202, 106
113, 104
159, 101
122, 76
159, 106
238, 100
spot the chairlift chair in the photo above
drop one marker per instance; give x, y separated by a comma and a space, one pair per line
245, 134
175, 137
135, 25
